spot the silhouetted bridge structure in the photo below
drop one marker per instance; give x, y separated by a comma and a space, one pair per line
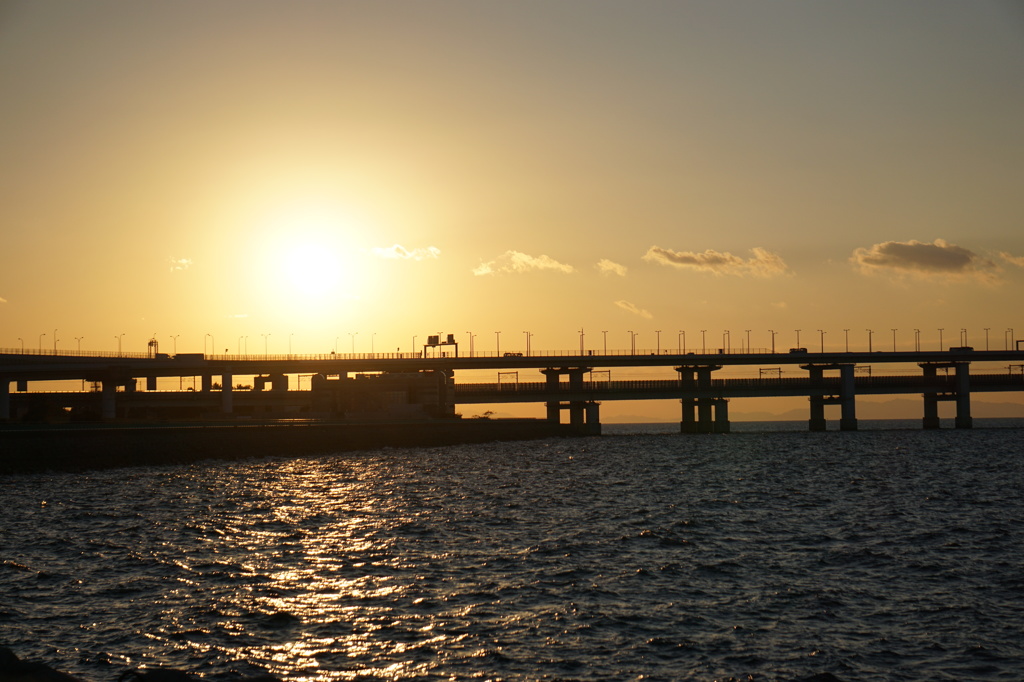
410, 384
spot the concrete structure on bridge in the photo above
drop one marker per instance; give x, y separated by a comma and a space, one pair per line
422, 386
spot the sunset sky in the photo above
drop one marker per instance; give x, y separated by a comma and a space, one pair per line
327, 174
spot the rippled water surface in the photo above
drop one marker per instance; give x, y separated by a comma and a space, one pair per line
876, 555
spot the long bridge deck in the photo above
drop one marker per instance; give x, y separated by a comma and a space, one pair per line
570, 381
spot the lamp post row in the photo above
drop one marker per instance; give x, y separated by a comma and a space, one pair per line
681, 347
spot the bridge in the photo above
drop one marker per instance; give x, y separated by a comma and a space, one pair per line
422, 384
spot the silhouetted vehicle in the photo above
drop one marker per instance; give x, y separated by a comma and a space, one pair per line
797, 350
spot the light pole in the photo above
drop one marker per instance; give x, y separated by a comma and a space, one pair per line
657, 335
846, 333
726, 341
265, 345
119, 337
893, 340
528, 335
353, 335
414, 344
632, 341
55, 339
497, 344
23, 342
79, 340
1012, 344
798, 338
41, 342
870, 332
748, 340
963, 337
581, 340
703, 342
773, 333
470, 343
174, 339
204, 343
681, 344
940, 338
822, 340
917, 340
604, 333
290, 342
372, 334
986, 337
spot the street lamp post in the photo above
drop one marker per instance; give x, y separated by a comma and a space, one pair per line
726, 341
986, 337
703, 342
353, 335
497, 344
174, 339
55, 339
657, 336
119, 337
204, 343
773, 333
632, 341
581, 340
265, 344
681, 345
470, 343
748, 340
846, 334
290, 342
798, 338
79, 340
41, 342
963, 337
870, 333
604, 333
372, 334
940, 338
528, 335
822, 340
893, 340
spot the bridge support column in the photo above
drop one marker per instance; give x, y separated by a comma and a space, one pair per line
689, 421
207, 383
108, 402
931, 398
577, 408
593, 413
5, 399
817, 417
963, 396
847, 399
150, 383
226, 394
722, 416
554, 412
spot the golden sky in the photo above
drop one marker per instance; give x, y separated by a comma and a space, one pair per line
322, 174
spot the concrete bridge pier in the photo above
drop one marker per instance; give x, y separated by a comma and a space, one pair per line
931, 397
108, 399
5, 399
817, 422
963, 396
712, 413
226, 392
847, 399
577, 408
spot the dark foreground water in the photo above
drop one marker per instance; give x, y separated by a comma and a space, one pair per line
876, 555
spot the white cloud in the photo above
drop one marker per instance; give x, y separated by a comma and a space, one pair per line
1015, 260
938, 259
180, 263
763, 263
608, 267
631, 308
399, 252
3, 300
518, 262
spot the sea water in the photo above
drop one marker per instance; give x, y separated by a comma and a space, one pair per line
883, 554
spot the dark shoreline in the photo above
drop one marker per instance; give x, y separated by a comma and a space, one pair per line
77, 448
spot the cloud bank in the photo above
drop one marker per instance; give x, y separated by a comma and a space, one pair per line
1013, 260
518, 262
938, 259
762, 263
631, 308
607, 268
399, 252
178, 264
